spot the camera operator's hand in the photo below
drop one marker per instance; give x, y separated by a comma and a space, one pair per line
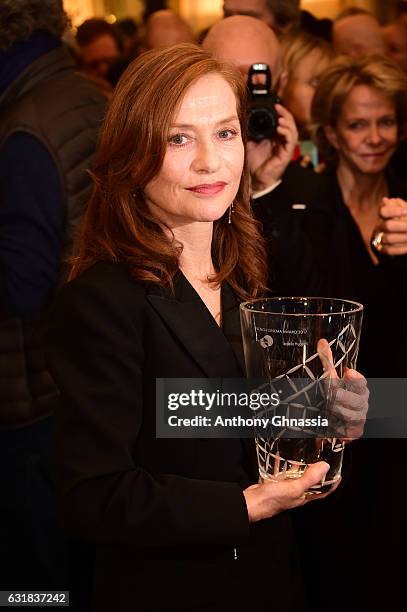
269, 159
269, 498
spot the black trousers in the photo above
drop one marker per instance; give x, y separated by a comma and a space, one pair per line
32, 544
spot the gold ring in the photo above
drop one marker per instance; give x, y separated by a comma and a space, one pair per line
377, 241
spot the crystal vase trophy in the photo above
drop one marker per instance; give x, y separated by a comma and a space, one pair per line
299, 348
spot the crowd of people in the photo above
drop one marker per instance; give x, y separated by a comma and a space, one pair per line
135, 216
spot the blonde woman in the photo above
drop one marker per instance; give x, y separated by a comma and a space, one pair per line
360, 116
304, 57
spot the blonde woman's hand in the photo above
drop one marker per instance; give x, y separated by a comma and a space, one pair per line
390, 235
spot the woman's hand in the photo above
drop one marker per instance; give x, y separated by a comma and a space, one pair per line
268, 159
390, 235
350, 395
268, 498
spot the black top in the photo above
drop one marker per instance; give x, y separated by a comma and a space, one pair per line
316, 249
348, 272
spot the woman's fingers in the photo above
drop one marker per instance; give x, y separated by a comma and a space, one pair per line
394, 224
398, 206
326, 357
351, 403
311, 497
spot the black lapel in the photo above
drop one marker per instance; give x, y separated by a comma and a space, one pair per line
231, 325
190, 321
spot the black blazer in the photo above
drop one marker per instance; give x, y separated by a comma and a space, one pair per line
165, 515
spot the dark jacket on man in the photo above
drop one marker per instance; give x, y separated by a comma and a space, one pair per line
49, 123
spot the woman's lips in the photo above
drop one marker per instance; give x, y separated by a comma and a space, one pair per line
209, 189
374, 155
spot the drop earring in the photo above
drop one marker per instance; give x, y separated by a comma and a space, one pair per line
231, 210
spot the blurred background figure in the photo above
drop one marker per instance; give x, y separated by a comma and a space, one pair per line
49, 121
356, 33
99, 46
321, 28
304, 58
165, 28
130, 40
244, 41
151, 6
281, 189
395, 36
128, 32
280, 15
400, 8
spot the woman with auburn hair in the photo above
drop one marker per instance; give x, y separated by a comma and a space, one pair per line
168, 248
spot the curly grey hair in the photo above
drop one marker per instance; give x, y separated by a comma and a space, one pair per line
20, 18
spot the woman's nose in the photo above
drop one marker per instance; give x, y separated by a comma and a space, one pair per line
374, 134
207, 157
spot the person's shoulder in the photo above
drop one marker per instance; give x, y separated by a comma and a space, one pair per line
107, 281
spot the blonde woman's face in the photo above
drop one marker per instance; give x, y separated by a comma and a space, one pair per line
300, 89
203, 164
366, 134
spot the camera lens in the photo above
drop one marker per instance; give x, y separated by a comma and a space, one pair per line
262, 123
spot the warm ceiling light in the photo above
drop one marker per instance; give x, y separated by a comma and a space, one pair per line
111, 18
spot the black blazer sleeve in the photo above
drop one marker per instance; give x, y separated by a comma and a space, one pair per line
95, 354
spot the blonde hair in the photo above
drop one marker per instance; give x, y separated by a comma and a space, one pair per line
337, 82
294, 47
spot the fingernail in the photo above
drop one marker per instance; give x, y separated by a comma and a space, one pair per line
353, 374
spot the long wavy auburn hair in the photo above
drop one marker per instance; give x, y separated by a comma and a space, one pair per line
118, 224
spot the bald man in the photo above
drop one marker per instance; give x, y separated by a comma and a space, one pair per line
244, 41
281, 190
165, 28
357, 35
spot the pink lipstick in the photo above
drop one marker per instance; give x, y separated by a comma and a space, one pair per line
208, 189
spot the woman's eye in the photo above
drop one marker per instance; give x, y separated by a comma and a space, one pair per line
227, 134
178, 140
355, 125
389, 121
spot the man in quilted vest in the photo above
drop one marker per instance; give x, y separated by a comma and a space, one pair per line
49, 122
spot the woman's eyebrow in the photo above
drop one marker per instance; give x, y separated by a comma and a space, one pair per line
190, 126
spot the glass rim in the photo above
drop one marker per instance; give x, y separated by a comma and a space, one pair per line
244, 306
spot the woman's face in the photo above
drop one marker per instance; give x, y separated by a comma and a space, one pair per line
301, 86
202, 167
366, 132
